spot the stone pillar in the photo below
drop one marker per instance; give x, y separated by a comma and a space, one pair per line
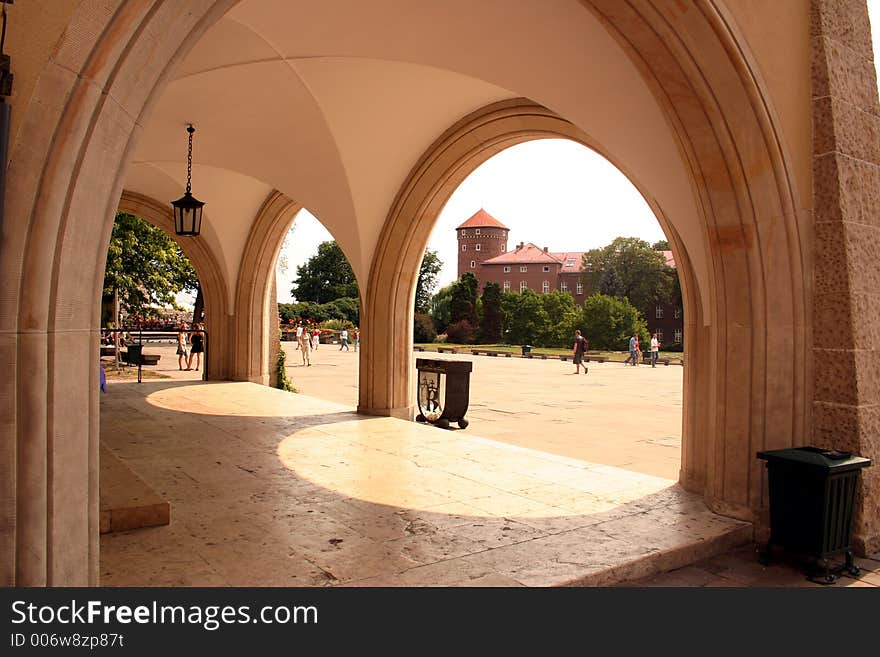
274, 332
846, 201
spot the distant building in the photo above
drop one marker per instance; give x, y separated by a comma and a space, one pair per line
482, 251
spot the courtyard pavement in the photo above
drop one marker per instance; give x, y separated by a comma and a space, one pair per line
559, 480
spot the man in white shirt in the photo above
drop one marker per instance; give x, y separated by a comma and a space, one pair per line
343, 339
655, 350
299, 335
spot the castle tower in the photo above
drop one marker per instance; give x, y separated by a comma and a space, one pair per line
480, 238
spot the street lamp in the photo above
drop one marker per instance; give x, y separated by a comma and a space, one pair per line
188, 209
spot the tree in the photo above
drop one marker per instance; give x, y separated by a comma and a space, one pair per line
645, 277
562, 319
326, 276
493, 316
661, 245
611, 284
441, 304
526, 319
423, 329
430, 267
463, 304
145, 266
609, 322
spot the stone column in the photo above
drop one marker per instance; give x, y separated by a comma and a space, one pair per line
274, 333
846, 201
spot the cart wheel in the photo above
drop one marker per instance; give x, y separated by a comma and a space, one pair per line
462, 423
443, 423
421, 418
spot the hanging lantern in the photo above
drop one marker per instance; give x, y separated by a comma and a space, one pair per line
188, 209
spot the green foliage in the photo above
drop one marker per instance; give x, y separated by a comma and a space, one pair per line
345, 308
492, 324
609, 322
338, 324
563, 317
430, 267
463, 305
325, 277
644, 277
145, 266
283, 382
423, 328
661, 245
461, 332
441, 305
526, 321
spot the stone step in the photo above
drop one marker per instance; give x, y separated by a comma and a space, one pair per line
126, 501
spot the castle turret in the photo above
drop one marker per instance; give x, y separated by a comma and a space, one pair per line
480, 238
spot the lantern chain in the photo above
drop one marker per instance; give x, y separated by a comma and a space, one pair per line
189, 155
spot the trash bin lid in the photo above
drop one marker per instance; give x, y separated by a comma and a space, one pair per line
826, 460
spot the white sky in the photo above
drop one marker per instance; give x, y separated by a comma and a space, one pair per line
552, 192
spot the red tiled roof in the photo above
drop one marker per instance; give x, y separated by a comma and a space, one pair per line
482, 219
527, 253
669, 259
578, 257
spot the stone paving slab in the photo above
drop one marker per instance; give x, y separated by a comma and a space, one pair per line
275, 489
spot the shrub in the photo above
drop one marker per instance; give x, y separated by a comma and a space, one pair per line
461, 332
423, 328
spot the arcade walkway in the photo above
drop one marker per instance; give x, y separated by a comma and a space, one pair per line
273, 489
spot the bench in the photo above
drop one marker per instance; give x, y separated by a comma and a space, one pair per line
418, 348
447, 350
646, 359
146, 359
490, 352
598, 359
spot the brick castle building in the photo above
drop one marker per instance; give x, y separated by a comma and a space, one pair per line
482, 251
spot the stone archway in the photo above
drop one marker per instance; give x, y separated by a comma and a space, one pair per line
254, 298
65, 178
747, 381
207, 268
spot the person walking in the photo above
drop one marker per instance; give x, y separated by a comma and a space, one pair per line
580, 347
638, 352
305, 345
633, 342
655, 350
356, 334
182, 355
197, 340
299, 335
316, 337
343, 340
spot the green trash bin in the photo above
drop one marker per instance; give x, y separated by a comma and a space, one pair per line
812, 497
133, 354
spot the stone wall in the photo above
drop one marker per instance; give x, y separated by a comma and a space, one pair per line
846, 189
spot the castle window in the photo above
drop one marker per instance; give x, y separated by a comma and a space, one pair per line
678, 335
477, 247
506, 269
473, 264
546, 268
523, 286
563, 287
545, 287
476, 231
507, 286
677, 313
464, 247
658, 312
580, 288
523, 269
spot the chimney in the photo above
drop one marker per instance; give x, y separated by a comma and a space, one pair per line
545, 249
519, 246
